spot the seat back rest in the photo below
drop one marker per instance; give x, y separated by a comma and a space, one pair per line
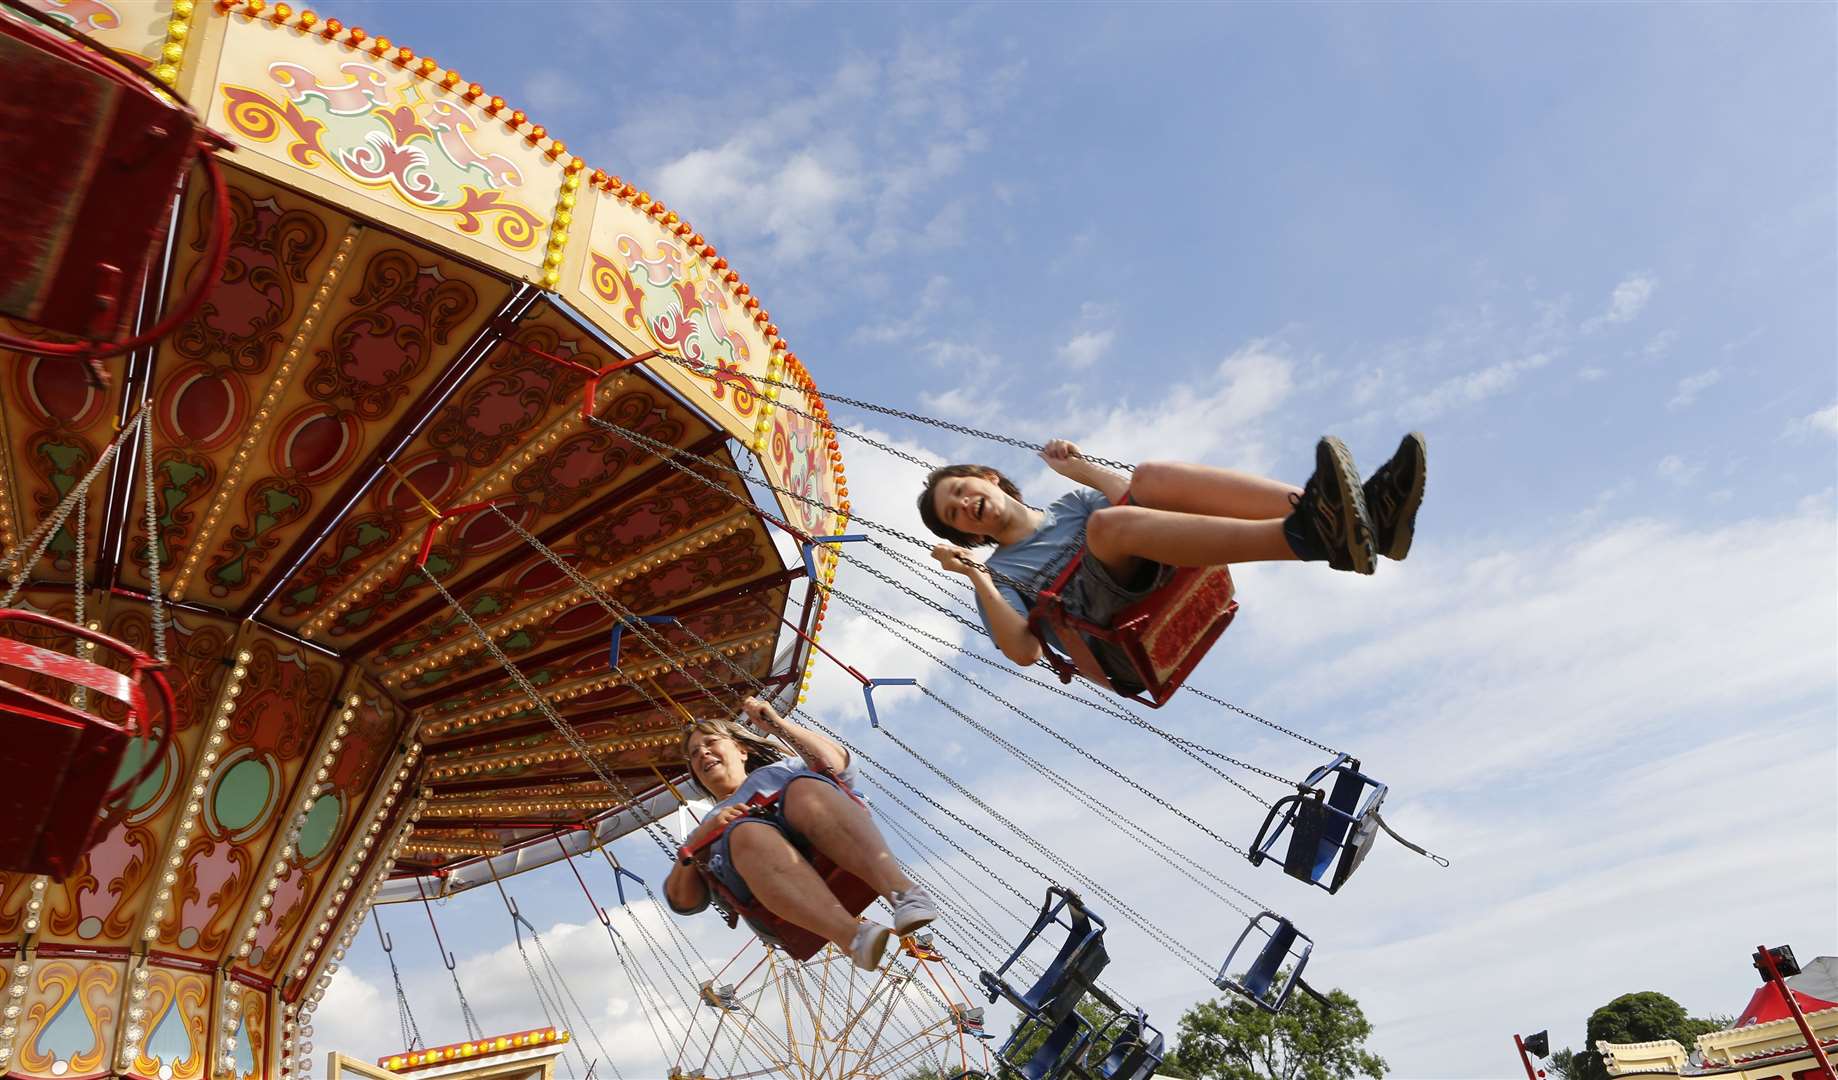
1055, 1056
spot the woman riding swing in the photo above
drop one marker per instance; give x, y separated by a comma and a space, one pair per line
758, 854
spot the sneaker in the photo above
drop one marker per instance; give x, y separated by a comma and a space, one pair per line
912, 910
1393, 495
1329, 522
870, 945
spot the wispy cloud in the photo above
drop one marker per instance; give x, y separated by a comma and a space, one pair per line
1822, 423
1086, 348
1677, 470
1469, 389
1691, 386
1625, 303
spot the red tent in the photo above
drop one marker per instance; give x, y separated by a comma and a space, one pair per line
1768, 1004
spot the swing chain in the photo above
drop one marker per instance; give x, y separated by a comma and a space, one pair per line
41, 537
899, 414
156, 600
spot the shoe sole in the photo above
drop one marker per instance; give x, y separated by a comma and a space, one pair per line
922, 922
1413, 499
1346, 475
882, 938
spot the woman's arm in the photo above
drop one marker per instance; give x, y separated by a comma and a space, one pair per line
685, 890
819, 751
1006, 625
1063, 458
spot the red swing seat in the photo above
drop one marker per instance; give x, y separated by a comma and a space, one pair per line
851, 892
96, 150
1163, 635
59, 760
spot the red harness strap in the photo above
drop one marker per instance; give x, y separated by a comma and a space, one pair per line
1163, 635
851, 892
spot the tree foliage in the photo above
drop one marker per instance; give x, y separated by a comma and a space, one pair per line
1231, 1039
1644, 1016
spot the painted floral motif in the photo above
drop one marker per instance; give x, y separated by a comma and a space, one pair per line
70, 1007
389, 138
671, 298
800, 462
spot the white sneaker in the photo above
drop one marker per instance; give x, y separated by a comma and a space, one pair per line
870, 945
913, 910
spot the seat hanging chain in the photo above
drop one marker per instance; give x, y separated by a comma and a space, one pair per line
40, 538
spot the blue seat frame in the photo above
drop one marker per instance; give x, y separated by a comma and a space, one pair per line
1073, 971
1057, 1057
1330, 829
1279, 945
1134, 1052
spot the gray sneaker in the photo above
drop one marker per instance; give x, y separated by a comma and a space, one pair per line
913, 910
1329, 523
870, 945
1393, 495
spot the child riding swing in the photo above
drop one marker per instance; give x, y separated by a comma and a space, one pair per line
1129, 536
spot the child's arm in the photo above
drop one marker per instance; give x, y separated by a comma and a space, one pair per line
1006, 625
1062, 457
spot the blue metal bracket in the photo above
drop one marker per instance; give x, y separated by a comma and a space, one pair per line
619, 632
810, 549
868, 685
620, 873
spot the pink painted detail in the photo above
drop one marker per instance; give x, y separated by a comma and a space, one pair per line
287, 896
316, 443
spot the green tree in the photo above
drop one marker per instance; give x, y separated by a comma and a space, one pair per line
1230, 1039
1645, 1016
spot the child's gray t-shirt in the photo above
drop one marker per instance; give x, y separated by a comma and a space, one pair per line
1039, 559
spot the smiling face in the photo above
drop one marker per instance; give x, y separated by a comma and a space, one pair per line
972, 505
717, 762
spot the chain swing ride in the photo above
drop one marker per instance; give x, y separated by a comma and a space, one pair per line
381, 488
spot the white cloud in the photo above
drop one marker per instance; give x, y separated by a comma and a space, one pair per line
1691, 386
1469, 389
1086, 348
1821, 423
1625, 303
1676, 469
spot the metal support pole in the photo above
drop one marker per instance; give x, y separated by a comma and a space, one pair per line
1771, 973
1525, 1059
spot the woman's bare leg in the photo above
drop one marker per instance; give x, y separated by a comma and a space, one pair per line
1202, 489
1118, 535
786, 884
839, 827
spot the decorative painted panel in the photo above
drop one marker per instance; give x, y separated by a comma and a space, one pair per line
136, 28
101, 903
67, 1025
376, 129
218, 373
58, 422
277, 718
174, 1033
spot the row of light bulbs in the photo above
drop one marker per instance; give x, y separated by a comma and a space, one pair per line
200, 543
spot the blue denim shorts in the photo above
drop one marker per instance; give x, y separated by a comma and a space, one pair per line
1094, 594
721, 863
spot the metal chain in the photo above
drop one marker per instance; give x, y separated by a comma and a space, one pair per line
411, 1032
156, 599
1109, 708
902, 414
1159, 936
566, 729
1153, 845
1204, 696
41, 537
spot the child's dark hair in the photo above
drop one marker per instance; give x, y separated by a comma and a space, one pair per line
928, 508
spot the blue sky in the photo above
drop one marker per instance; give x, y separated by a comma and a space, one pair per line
1589, 250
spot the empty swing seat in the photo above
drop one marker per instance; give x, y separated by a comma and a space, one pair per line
1162, 637
1133, 1053
62, 762
851, 892
1282, 953
1330, 830
94, 157
1058, 1055
1073, 971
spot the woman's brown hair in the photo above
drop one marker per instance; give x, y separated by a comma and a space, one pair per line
928, 506
757, 749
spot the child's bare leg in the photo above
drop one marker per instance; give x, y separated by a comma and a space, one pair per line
782, 880
1202, 489
837, 826
1118, 535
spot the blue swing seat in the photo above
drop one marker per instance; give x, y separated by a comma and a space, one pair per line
1074, 969
1133, 1053
1279, 945
1330, 831
1059, 1055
